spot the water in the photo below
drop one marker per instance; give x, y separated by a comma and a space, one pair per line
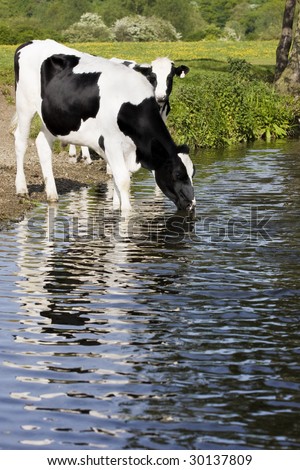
157, 331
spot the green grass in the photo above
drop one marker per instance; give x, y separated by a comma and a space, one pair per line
6, 65
201, 55
255, 52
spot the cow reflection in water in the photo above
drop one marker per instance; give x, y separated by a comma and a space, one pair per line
93, 266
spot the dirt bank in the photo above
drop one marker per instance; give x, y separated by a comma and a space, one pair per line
68, 176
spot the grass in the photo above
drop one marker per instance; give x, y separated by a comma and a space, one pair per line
255, 52
201, 55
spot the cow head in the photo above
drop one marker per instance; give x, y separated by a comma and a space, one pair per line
160, 74
172, 178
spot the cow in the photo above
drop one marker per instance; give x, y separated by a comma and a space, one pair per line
91, 101
160, 73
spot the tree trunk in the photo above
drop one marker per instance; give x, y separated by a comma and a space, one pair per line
283, 49
289, 80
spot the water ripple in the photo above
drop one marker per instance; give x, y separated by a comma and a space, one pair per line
158, 331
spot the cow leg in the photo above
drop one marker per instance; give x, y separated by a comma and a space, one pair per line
85, 153
131, 163
121, 197
72, 153
44, 143
121, 178
116, 197
108, 170
21, 140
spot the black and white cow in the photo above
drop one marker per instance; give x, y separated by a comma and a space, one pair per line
160, 73
91, 101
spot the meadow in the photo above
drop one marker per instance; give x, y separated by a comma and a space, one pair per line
260, 53
228, 96
257, 53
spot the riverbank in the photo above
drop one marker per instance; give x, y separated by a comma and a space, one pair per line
69, 176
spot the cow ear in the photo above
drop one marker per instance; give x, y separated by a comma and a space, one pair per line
144, 69
183, 148
181, 71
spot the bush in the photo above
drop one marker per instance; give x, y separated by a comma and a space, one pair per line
208, 32
141, 28
230, 34
89, 28
216, 111
240, 68
197, 35
21, 31
7, 35
212, 32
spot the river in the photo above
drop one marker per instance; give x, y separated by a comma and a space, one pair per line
158, 330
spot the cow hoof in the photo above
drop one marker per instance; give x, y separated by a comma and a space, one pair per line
23, 194
52, 199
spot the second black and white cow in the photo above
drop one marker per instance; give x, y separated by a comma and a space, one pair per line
160, 73
91, 101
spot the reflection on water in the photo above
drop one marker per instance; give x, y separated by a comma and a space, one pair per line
157, 331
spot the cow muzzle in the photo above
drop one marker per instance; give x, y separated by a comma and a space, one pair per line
161, 99
185, 204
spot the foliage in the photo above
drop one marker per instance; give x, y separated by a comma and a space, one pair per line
89, 28
264, 22
240, 68
54, 14
140, 28
193, 19
251, 19
7, 35
110, 10
212, 32
177, 12
22, 30
217, 11
216, 111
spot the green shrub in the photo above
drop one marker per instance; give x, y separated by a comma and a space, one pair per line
140, 28
89, 28
212, 32
240, 68
7, 35
20, 30
216, 111
195, 35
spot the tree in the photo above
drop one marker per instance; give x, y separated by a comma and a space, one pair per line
137, 7
175, 11
289, 80
89, 28
109, 10
264, 21
283, 48
217, 12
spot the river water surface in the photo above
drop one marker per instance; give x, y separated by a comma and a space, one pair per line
155, 330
